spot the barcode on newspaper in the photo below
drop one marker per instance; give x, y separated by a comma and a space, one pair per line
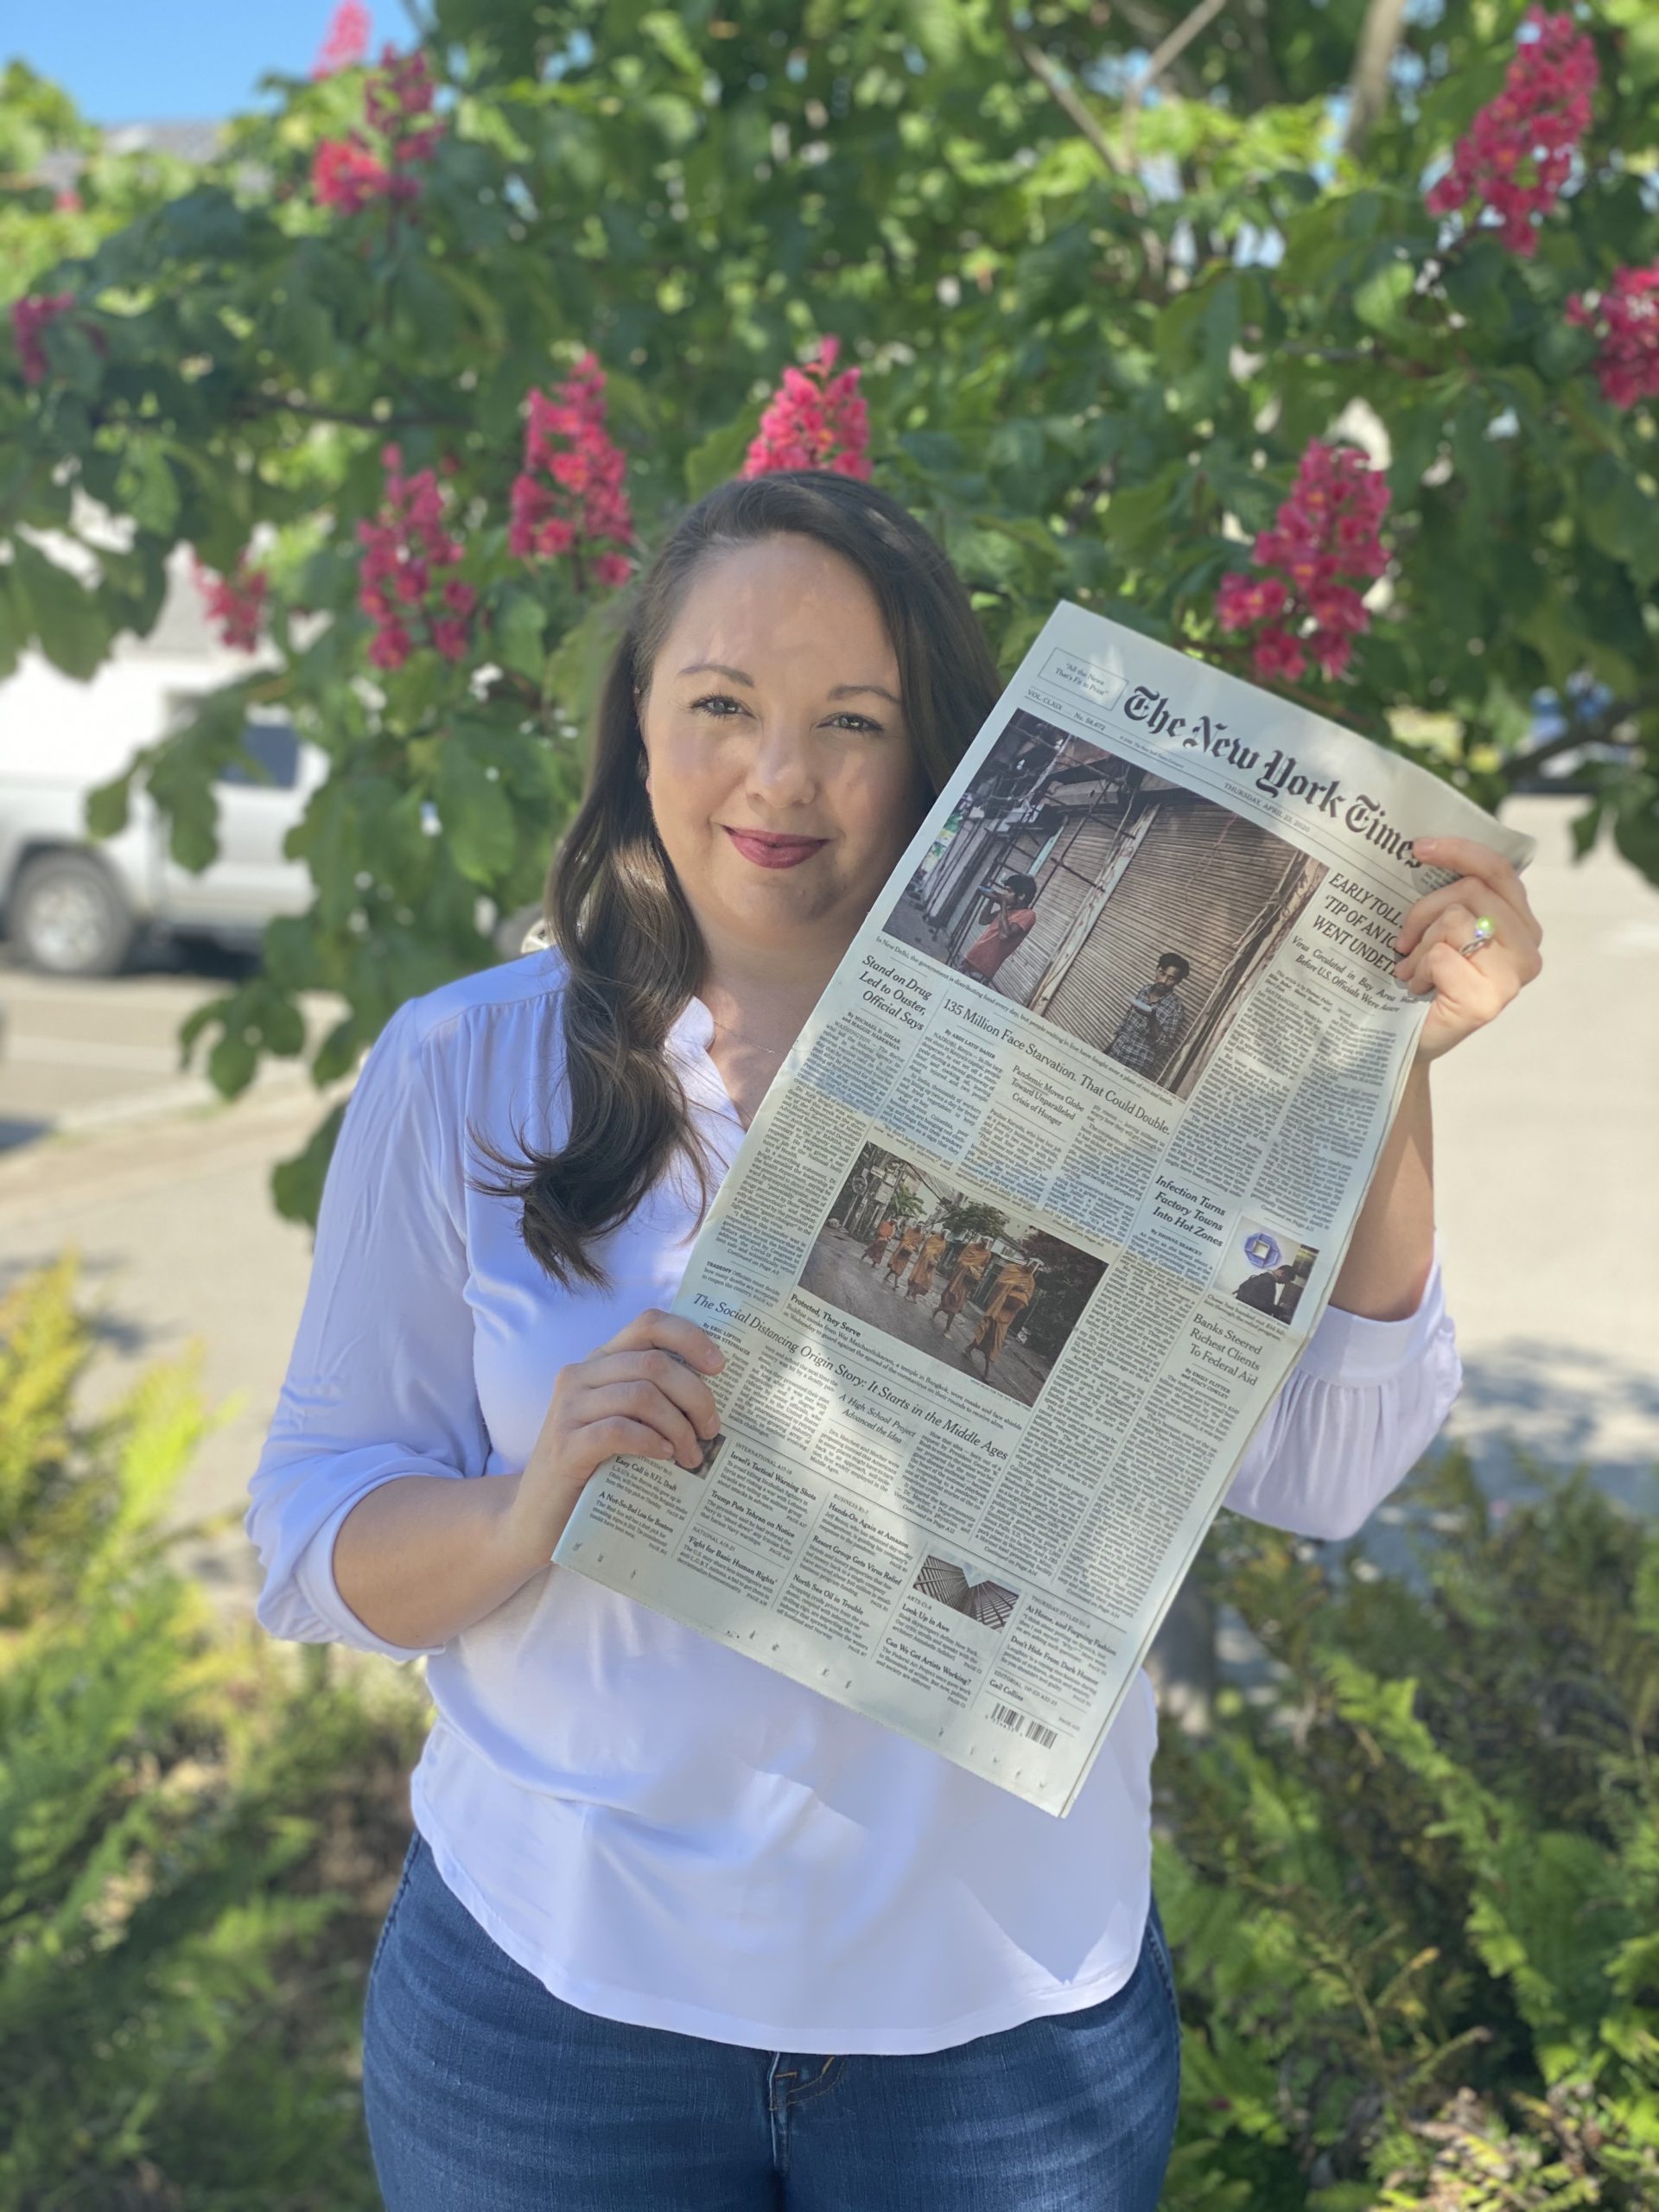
1006, 1717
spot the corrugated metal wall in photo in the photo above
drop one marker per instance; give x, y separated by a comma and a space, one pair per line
1065, 880
1199, 880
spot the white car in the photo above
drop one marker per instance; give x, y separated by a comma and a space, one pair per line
75, 905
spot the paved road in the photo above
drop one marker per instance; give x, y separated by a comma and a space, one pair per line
1548, 1180
164, 1189
1549, 1210
80, 1056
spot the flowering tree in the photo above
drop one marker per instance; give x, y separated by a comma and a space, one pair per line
452, 334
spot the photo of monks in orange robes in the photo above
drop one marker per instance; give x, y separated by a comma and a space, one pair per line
906, 1224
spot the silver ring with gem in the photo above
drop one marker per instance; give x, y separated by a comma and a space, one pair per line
1486, 930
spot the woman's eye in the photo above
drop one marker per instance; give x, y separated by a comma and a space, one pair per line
716, 703
851, 721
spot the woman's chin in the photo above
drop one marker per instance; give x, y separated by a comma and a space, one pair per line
779, 911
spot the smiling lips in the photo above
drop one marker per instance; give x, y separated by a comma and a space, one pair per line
768, 848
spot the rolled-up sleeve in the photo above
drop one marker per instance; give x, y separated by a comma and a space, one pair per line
1363, 1402
380, 1381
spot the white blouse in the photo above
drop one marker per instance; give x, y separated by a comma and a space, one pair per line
660, 1829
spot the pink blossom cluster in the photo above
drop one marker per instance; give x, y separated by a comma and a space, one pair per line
29, 318
569, 495
814, 420
1323, 549
347, 39
236, 603
352, 173
1626, 316
1517, 153
404, 587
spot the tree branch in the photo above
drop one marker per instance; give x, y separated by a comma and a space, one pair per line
1368, 91
1152, 29
1588, 729
1167, 51
1063, 96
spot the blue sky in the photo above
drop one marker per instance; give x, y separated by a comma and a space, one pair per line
123, 61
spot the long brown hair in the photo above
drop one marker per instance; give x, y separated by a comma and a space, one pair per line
632, 953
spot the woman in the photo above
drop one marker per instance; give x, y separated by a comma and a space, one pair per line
673, 1930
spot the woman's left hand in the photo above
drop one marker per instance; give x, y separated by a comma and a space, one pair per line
1470, 988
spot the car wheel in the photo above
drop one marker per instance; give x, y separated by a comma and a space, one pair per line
67, 918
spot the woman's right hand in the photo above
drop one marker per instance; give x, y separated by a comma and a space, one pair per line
643, 1393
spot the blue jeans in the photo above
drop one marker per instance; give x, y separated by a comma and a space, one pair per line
485, 2093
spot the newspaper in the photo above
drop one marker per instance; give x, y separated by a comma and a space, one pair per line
1042, 1206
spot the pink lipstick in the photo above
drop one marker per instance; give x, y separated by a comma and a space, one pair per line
769, 848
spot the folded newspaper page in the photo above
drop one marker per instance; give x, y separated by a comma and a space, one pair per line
1042, 1206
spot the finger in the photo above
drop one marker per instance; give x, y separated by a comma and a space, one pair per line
671, 1333
1456, 926
650, 1408
1466, 997
663, 1372
619, 1437
1479, 861
1430, 971
1513, 926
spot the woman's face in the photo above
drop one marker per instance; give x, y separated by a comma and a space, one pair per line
781, 774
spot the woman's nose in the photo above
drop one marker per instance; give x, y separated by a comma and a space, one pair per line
782, 768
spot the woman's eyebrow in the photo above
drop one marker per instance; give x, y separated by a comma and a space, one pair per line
717, 668
738, 676
851, 692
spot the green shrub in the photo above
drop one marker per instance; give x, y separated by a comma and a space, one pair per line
1413, 1891
197, 1833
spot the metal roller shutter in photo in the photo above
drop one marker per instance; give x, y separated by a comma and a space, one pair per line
1071, 872
1199, 881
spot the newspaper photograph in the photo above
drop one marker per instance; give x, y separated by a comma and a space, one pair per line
1043, 1205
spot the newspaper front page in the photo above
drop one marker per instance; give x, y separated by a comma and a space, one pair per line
1042, 1207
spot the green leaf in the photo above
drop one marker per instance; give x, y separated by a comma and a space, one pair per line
1636, 827
477, 818
577, 666
520, 633
1561, 351
296, 1184
1018, 446
107, 804
717, 458
230, 1065
1585, 828
147, 487
71, 625
1619, 518
1380, 300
